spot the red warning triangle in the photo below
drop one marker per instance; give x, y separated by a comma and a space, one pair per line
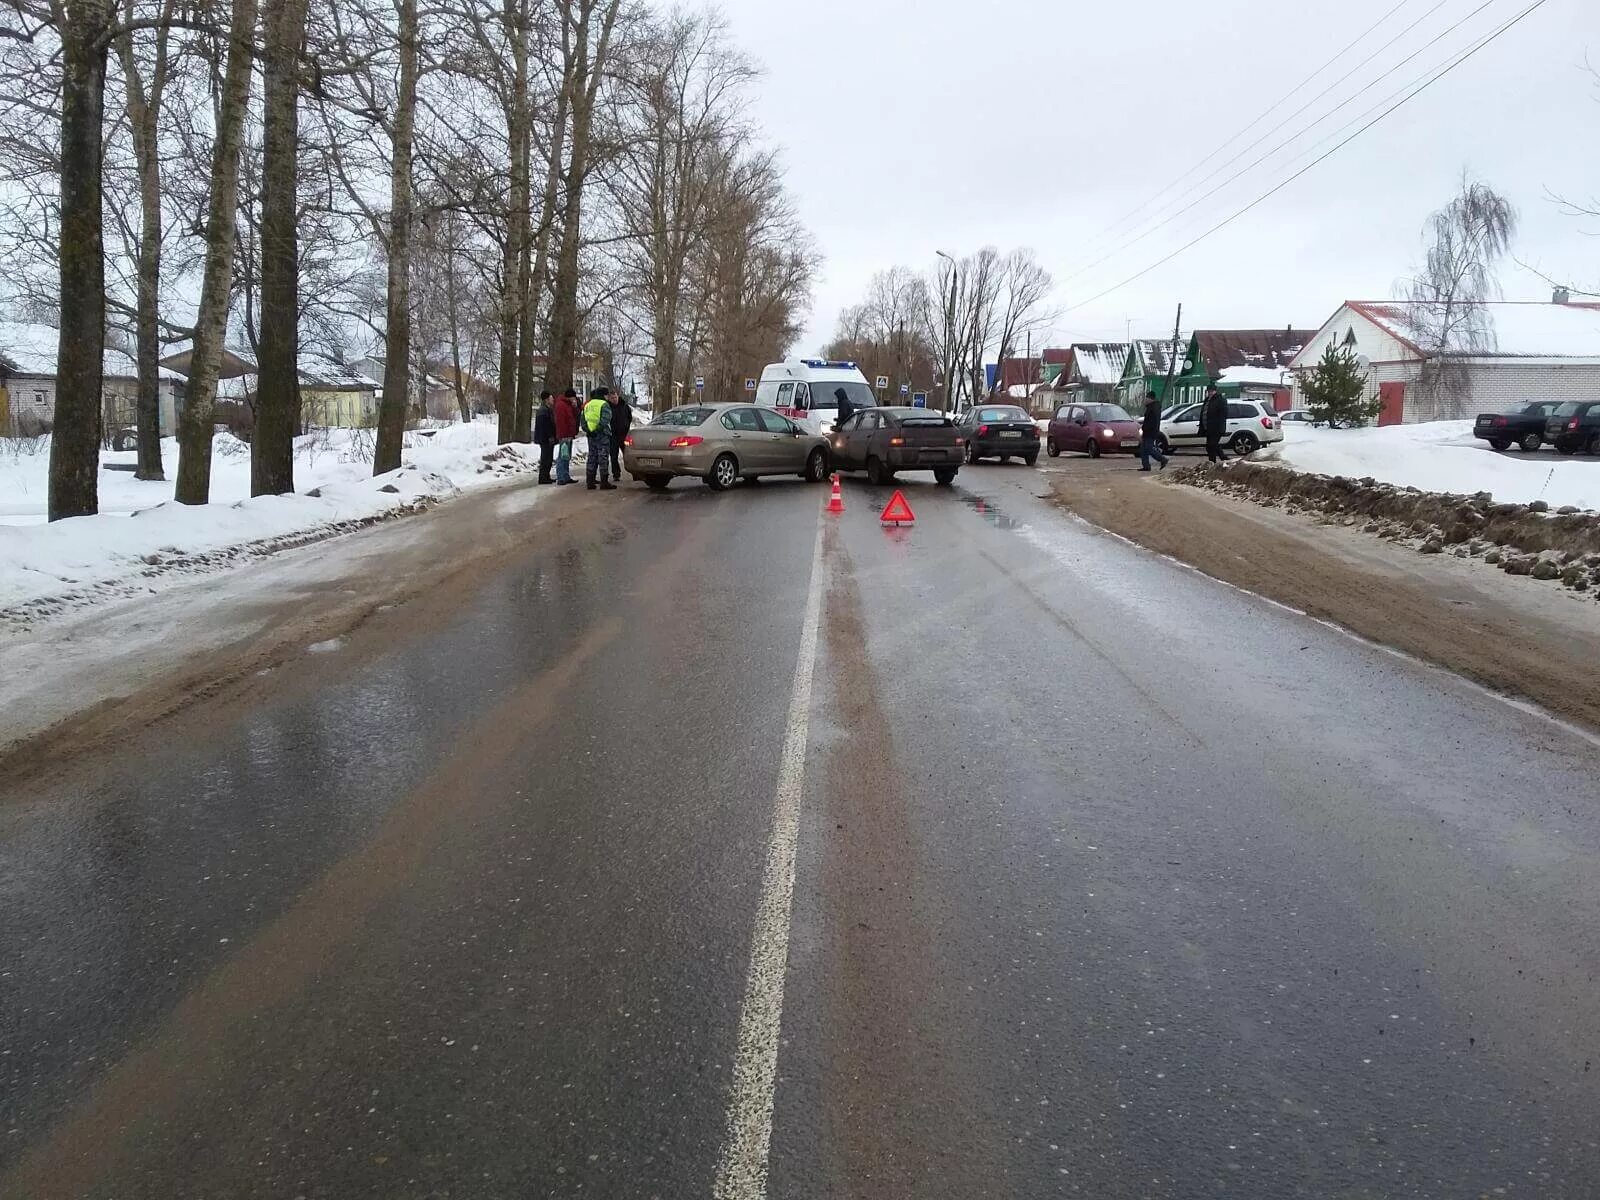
897, 511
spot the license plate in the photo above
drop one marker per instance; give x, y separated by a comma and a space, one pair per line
1009, 433
1128, 444
649, 462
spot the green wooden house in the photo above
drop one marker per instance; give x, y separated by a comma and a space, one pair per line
1146, 371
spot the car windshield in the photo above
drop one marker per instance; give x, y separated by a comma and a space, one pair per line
826, 393
1002, 414
683, 416
1108, 412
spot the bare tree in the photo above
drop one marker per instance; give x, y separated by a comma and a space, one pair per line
1447, 315
1024, 297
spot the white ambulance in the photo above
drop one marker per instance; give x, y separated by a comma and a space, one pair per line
810, 391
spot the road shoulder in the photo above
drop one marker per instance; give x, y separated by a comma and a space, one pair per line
1508, 634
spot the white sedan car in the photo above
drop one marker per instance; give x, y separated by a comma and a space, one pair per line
1251, 425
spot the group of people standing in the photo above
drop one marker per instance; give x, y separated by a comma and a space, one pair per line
1213, 423
604, 420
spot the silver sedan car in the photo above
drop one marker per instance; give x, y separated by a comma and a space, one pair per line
722, 443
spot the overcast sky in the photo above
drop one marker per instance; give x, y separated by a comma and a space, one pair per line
910, 126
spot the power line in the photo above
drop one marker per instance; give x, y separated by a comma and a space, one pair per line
1424, 86
1359, 92
1123, 220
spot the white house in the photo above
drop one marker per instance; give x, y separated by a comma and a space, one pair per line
1541, 351
28, 382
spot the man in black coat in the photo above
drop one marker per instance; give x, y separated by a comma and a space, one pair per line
544, 436
1214, 423
621, 422
1150, 431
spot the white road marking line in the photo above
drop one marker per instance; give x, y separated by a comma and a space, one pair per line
742, 1169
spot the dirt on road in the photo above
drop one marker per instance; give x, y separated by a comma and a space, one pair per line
1512, 635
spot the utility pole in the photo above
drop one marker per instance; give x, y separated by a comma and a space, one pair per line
1172, 359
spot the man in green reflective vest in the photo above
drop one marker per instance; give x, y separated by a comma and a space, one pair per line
597, 424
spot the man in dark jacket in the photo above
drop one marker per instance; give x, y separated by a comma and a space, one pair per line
1150, 431
1214, 423
566, 421
544, 436
621, 422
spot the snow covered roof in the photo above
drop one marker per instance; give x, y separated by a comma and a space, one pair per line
1521, 329
1270, 376
1099, 362
1269, 348
1156, 354
30, 349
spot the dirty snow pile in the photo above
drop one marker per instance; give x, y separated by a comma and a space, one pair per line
1440, 456
141, 534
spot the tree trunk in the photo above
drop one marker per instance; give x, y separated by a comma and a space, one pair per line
278, 394
513, 290
144, 112
397, 336
216, 284
454, 300
75, 448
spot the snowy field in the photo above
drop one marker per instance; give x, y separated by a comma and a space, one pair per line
141, 535
1440, 456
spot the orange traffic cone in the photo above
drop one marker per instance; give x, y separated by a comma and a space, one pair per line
836, 500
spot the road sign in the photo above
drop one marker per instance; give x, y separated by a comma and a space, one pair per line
905, 389
699, 383
897, 511
749, 385
919, 399
883, 382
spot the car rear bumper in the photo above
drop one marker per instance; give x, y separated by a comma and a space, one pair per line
1021, 445
640, 463
923, 458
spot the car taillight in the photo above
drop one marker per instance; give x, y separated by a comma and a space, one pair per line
1572, 424
683, 443
897, 441
961, 441
628, 441
1498, 421
982, 429
1266, 422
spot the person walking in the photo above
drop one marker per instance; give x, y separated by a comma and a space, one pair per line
1150, 431
544, 436
621, 422
566, 423
597, 424
1214, 423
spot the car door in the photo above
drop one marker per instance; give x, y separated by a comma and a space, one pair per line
847, 453
1183, 429
789, 448
1242, 416
750, 443
1077, 428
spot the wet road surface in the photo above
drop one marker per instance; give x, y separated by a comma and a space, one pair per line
1107, 880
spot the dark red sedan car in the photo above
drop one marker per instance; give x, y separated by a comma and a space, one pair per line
1092, 429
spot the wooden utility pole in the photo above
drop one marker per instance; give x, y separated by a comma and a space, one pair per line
1172, 359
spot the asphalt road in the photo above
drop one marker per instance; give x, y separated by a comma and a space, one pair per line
1105, 879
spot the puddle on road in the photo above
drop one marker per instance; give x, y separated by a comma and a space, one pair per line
991, 512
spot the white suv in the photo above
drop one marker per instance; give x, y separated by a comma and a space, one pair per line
1251, 425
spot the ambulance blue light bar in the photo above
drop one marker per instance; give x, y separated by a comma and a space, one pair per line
828, 363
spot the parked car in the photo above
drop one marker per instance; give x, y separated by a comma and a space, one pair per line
882, 441
1297, 416
1092, 429
1251, 425
722, 443
1524, 428
1000, 431
1575, 426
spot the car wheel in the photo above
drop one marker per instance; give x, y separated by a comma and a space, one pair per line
877, 473
657, 483
972, 454
1594, 444
1030, 459
1244, 442
1093, 447
945, 476
1531, 442
1053, 450
1499, 443
816, 467
1164, 445
724, 473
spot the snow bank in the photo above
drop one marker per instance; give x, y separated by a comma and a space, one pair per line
1440, 456
141, 535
